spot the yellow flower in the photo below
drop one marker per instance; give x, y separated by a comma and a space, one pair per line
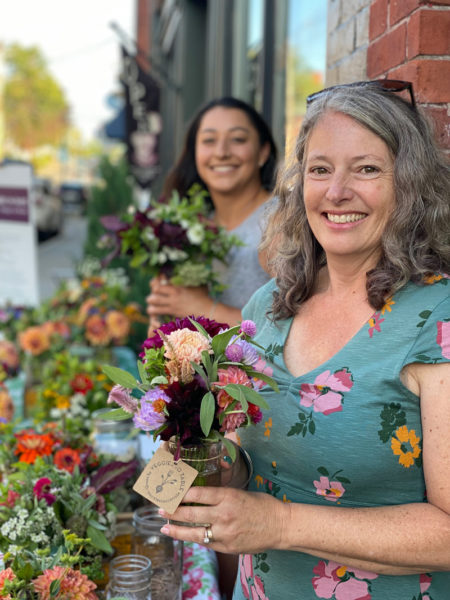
387, 306
406, 446
268, 425
432, 279
62, 402
259, 480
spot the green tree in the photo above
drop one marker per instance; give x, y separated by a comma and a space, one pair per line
36, 110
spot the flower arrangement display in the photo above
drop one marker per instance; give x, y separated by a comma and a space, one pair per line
54, 485
175, 237
71, 388
42, 576
199, 380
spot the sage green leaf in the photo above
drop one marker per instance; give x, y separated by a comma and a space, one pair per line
120, 376
142, 373
115, 414
207, 411
221, 340
98, 539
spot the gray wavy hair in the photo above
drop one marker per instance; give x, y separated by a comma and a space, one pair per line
416, 241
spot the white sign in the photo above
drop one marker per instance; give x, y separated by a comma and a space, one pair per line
18, 251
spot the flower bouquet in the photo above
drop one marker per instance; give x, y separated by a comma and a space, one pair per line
199, 381
175, 237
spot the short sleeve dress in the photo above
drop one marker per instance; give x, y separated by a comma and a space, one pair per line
345, 434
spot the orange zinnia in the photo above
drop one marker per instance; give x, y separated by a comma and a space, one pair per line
118, 324
34, 340
66, 459
97, 331
31, 445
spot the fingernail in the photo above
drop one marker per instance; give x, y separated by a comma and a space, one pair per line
165, 530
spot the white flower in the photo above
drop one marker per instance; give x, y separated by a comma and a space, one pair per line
196, 234
175, 254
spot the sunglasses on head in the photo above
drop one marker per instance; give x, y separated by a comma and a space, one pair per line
389, 85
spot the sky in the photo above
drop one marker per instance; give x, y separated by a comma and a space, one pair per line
81, 49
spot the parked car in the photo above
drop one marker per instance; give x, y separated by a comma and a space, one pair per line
48, 208
73, 194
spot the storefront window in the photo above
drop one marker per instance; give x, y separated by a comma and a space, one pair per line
255, 34
305, 60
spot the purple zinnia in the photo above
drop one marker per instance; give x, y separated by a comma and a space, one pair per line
248, 327
248, 353
234, 352
151, 415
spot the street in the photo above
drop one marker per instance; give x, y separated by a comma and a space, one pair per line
57, 256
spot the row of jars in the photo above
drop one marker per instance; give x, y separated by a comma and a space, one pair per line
148, 565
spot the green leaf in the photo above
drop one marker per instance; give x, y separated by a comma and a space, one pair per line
323, 471
207, 411
120, 376
206, 359
55, 587
236, 391
97, 525
158, 379
142, 372
98, 539
115, 414
199, 327
254, 397
200, 371
221, 340
266, 378
231, 448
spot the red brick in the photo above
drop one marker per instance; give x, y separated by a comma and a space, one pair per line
429, 33
387, 51
378, 18
430, 79
441, 120
398, 9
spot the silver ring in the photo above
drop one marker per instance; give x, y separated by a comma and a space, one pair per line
208, 535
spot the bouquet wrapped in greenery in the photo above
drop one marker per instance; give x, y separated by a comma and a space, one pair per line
175, 237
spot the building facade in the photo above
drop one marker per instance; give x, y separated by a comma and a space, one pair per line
273, 53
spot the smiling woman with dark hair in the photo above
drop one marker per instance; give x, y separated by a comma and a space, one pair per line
350, 496
229, 150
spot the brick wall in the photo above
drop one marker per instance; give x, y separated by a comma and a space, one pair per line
399, 39
410, 39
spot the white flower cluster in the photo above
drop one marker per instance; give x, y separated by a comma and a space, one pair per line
77, 408
30, 526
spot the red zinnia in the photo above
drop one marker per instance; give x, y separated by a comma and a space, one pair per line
81, 383
66, 459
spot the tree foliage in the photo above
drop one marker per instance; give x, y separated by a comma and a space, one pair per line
36, 109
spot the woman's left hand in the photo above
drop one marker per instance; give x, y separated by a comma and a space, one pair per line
178, 301
240, 522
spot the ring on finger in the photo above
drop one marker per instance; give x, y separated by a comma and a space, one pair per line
208, 537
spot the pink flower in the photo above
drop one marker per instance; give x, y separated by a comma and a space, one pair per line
11, 498
325, 395
252, 585
340, 582
6, 574
261, 366
248, 327
331, 490
443, 337
123, 398
182, 347
41, 490
374, 323
74, 585
230, 375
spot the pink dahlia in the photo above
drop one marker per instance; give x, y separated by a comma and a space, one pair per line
74, 584
182, 347
6, 574
230, 375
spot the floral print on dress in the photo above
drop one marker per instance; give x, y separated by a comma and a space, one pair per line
330, 486
252, 585
337, 582
404, 442
443, 337
199, 573
325, 395
425, 582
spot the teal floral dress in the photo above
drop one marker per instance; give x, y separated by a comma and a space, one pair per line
345, 434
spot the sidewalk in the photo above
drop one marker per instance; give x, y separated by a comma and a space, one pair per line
58, 256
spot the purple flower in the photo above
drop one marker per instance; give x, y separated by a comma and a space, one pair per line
234, 352
151, 415
248, 327
247, 353
123, 398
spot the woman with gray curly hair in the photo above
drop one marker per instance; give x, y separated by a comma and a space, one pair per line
350, 493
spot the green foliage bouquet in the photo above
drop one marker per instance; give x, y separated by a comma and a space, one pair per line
175, 237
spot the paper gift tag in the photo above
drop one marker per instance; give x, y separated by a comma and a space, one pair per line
164, 481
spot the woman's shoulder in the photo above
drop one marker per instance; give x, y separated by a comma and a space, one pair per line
432, 290
260, 301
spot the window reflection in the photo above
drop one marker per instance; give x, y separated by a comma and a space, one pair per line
255, 33
305, 60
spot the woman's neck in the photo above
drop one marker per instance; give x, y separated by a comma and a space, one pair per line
232, 209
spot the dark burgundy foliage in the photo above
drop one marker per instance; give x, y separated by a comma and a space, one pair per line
211, 326
116, 473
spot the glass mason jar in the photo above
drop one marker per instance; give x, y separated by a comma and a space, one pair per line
165, 553
130, 577
114, 437
204, 458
